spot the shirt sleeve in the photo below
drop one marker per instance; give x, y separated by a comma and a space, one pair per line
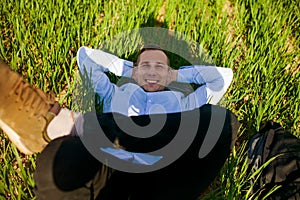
106, 62
216, 80
104, 88
91, 71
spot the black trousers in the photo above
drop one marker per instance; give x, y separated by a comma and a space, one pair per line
68, 169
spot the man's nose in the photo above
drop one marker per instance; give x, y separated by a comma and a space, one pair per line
152, 70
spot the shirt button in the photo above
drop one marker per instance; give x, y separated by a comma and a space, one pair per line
149, 101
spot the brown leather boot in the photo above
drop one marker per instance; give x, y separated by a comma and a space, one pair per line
25, 111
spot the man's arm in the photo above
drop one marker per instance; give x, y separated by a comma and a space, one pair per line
104, 61
90, 67
215, 79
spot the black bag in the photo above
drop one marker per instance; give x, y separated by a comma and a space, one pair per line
273, 141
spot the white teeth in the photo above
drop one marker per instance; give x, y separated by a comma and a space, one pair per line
151, 81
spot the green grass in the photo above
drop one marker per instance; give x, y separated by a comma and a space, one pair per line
259, 40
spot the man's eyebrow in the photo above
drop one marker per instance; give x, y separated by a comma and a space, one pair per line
147, 62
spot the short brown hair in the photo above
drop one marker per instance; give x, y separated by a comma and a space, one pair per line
151, 47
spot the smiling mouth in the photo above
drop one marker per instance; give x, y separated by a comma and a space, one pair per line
151, 81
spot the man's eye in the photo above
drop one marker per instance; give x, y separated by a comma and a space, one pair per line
145, 66
159, 66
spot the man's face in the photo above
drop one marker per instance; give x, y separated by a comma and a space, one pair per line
152, 72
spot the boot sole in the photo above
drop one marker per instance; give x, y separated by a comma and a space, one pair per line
14, 137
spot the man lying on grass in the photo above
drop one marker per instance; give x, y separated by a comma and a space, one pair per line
68, 169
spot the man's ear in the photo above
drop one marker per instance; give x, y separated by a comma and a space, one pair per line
134, 73
170, 77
